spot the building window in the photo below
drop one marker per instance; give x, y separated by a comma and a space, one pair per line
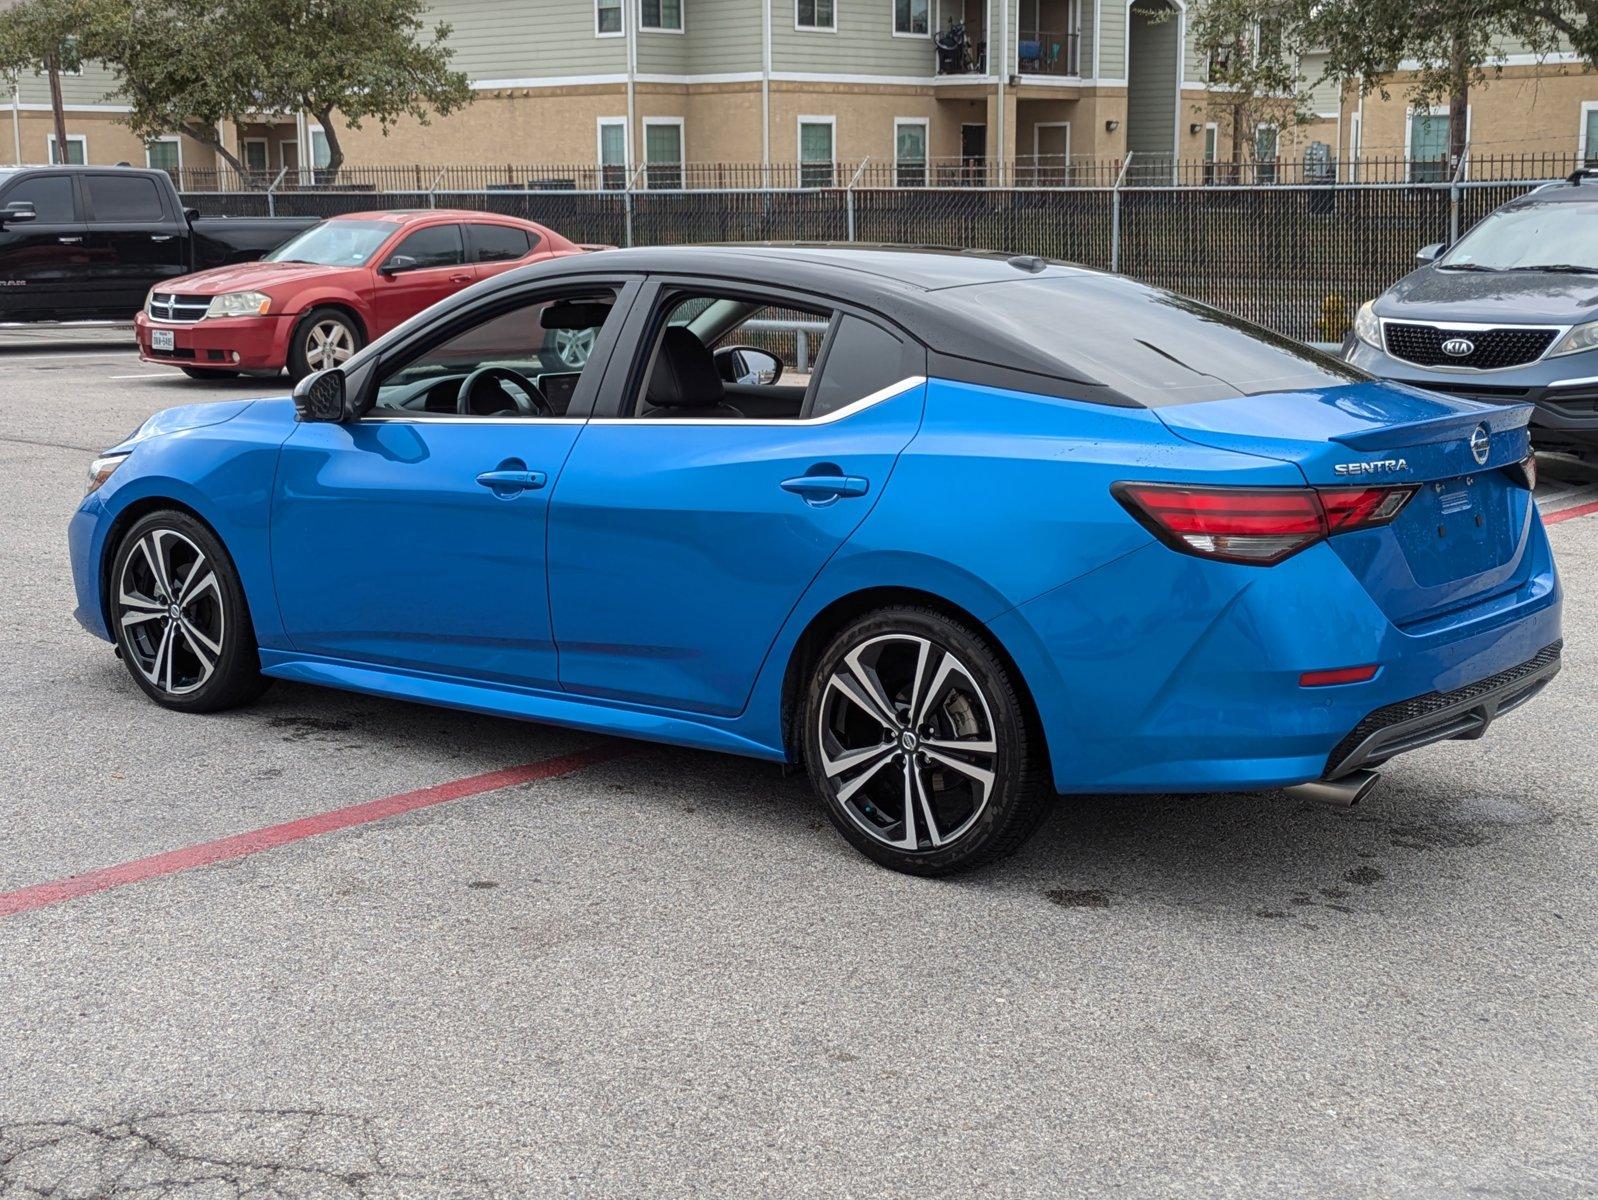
612, 152
607, 18
1265, 138
77, 148
815, 14
815, 152
257, 155
1212, 135
660, 15
164, 154
910, 152
1428, 145
911, 18
1589, 133
663, 152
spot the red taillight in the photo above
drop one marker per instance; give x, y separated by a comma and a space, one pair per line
1260, 526
1525, 472
1337, 675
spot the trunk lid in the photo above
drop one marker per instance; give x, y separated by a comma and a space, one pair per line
1460, 538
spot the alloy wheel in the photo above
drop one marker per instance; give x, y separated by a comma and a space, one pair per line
573, 346
908, 744
328, 344
170, 613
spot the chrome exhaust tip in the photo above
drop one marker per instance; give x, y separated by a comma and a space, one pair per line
1343, 792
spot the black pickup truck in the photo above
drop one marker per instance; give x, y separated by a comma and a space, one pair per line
87, 243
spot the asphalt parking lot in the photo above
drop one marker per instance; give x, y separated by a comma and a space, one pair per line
651, 971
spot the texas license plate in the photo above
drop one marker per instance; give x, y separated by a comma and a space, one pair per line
162, 339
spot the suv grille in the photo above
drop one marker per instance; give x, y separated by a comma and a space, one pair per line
164, 306
1490, 348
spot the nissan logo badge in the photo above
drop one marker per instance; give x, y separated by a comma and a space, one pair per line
1458, 347
1481, 445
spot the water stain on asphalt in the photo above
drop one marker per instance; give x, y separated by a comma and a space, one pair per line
1078, 897
1364, 876
299, 728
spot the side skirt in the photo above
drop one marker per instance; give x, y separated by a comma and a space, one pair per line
596, 716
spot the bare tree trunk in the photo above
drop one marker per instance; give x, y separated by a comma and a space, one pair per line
206, 136
335, 151
1458, 101
52, 68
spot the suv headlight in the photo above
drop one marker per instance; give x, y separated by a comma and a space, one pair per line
1582, 337
1366, 327
239, 304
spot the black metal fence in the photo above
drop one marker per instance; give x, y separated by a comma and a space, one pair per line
1297, 258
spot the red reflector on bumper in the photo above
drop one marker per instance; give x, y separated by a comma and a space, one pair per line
1337, 675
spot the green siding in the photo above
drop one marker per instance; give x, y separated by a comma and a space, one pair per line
1112, 39
92, 87
493, 39
863, 45
1151, 87
724, 37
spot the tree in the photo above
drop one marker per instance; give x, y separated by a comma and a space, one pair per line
194, 65
50, 37
1254, 78
1454, 43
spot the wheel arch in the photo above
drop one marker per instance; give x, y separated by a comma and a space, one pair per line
340, 304
846, 608
128, 516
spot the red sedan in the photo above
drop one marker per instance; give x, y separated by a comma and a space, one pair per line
321, 296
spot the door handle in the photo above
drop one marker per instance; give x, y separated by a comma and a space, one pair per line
460, 278
68, 241
506, 482
162, 237
819, 489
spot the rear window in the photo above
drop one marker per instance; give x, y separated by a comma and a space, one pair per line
1153, 347
499, 243
124, 198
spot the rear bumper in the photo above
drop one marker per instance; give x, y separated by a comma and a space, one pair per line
1160, 672
1462, 714
222, 344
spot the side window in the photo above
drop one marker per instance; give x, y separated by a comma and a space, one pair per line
51, 196
726, 357
523, 362
862, 359
124, 198
435, 246
499, 243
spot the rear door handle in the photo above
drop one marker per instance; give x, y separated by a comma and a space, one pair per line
460, 278
69, 241
820, 488
162, 237
505, 482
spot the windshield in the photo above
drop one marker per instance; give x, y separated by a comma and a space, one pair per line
1539, 235
335, 243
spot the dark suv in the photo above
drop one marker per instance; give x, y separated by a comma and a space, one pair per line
1508, 314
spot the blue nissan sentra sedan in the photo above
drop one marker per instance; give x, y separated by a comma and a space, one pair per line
955, 531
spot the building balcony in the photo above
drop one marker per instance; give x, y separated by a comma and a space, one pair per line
1049, 52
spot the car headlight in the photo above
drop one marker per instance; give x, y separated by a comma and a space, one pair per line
1366, 327
1582, 337
149, 297
239, 304
101, 469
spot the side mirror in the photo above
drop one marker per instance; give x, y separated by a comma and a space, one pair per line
191, 214
396, 264
748, 365
320, 396
1428, 254
17, 213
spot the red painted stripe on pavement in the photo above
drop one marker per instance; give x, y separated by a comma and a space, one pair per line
1565, 514
239, 845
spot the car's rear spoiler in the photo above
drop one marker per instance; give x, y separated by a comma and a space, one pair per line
591, 246
1498, 419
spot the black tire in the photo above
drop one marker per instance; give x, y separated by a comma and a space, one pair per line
216, 664
209, 373
302, 358
976, 702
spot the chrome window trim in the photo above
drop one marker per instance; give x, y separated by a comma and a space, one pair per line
897, 388
1469, 327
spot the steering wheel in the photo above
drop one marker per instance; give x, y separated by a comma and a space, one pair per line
533, 405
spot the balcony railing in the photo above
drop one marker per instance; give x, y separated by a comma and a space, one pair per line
1049, 52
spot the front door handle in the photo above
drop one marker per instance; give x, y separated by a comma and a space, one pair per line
162, 237
460, 278
69, 241
512, 481
820, 489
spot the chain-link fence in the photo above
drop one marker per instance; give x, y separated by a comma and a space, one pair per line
1295, 257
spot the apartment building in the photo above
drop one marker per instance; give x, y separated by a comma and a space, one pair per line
639, 88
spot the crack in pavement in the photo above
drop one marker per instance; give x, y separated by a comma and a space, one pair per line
238, 1154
